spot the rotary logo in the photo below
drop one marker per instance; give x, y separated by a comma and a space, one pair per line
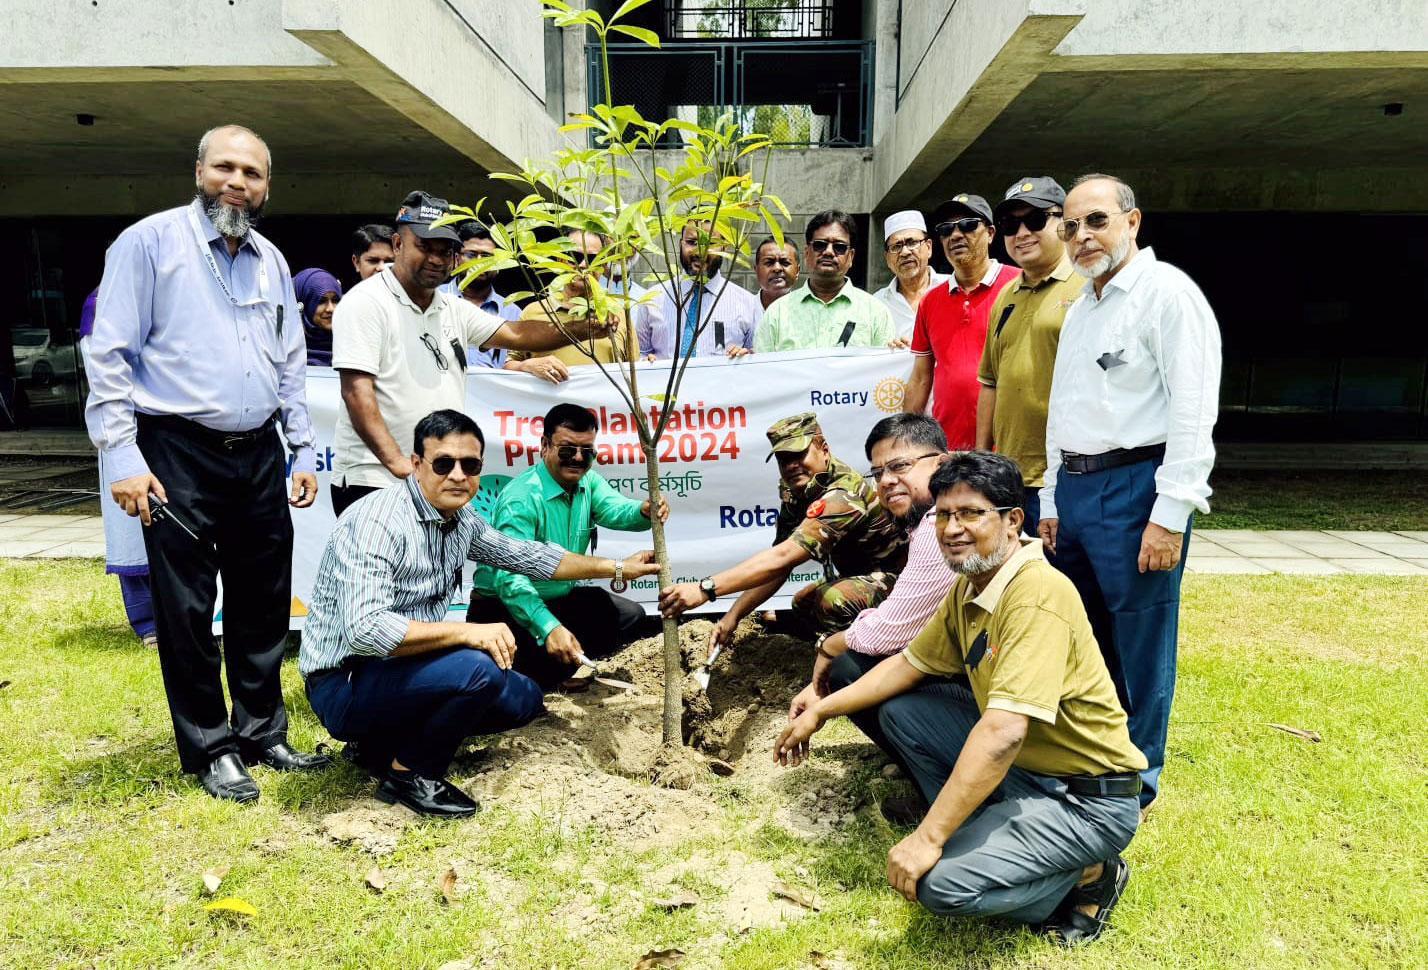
888, 394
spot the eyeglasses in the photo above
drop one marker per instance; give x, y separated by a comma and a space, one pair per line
839, 247
435, 349
1095, 221
903, 245
1035, 221
470, 467
967, 516
584, 453
898, 466
965, 226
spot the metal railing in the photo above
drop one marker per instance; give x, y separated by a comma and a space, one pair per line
808, 94
739, 18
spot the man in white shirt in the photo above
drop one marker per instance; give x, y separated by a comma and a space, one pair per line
400, 347
908, 250
1134, 396
716, 316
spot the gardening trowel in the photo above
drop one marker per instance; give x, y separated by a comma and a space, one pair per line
601, 679
701, 676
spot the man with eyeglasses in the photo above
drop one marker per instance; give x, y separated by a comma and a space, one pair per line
908, 251
952, 320
1029, 769
828, 310
1023, 328
828, 513
476, 242
384, 669
1134, 397
562, 500
776, 269
713, 315
399, 344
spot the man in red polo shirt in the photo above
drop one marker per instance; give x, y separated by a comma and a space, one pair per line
952, 320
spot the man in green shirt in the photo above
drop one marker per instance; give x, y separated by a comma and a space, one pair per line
828, 310
1031, 772
563, 500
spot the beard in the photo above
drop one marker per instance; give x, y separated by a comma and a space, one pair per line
1107, 262
909, 519
711, 266
233, 223
977, 564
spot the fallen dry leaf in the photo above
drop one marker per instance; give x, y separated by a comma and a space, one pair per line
376, 881
4, 684
232, 905
1314, 736
793, 894
681, 900
446, 882
720, 767
213, 878
456, 965
820, 960
660, 958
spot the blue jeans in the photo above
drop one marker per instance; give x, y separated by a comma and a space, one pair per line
1020, 852
1134, 615
419, 709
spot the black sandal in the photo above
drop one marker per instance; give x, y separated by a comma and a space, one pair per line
1073, 927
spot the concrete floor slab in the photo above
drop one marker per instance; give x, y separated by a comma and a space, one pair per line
24, 547
1327, 547
1299, 567
1225, 565
1420, 536
1380, 567
74, 550
1390, 542
1266, 547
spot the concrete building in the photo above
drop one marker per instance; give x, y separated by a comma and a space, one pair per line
1277, 147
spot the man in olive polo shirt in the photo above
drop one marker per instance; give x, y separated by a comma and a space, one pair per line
1031, 774
828, 310
1023, 329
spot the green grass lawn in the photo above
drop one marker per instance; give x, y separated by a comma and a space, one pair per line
1291, 499
1266, 850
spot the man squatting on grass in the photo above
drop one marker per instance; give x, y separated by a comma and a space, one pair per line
1031, 774
383, 668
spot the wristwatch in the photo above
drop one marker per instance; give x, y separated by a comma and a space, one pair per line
618, 584
706, 586
818, 646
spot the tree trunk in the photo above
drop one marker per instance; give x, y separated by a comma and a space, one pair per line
673, 721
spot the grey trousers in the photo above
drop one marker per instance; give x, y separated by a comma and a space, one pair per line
1020, 852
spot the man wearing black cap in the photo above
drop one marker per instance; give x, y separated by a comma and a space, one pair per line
952, 319
400, 346
1023, 329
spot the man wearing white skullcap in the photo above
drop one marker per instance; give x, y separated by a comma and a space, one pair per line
908, 250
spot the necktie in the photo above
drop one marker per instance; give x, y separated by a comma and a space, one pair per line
691, 320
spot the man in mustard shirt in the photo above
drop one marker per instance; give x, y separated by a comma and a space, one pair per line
560, 499
1031, 774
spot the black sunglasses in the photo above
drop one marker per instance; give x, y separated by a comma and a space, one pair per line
1094, 221
1035, 221
839, 247
584, 453
470, 467
965, 226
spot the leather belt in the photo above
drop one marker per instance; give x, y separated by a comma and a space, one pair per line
228, 440
1126, 783
1074, 464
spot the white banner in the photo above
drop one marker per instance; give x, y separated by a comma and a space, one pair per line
722, 493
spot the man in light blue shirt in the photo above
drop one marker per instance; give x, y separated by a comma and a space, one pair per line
476, 241
717, 317
196, 359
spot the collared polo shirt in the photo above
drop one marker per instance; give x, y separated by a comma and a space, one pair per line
533, 505
904, 315
1026, 646
800, 321
605, 347
1023, 328
378, 330
951, 328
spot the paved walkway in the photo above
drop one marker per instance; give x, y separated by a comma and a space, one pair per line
1211, 550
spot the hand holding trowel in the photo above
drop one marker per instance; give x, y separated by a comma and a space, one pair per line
602, 679
717, 636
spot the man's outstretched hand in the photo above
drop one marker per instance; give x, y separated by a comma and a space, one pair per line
677, 598
642, 563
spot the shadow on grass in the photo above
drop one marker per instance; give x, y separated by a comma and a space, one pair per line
106, 638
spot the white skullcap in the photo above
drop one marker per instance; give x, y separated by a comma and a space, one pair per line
906, 219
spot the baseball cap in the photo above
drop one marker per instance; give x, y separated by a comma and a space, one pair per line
1038, 191
420, 210
793, 434
963, 202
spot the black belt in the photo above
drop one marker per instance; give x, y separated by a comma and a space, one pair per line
228, 440
1126, 783
1075, 464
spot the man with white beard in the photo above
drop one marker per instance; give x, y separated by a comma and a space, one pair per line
1134, 396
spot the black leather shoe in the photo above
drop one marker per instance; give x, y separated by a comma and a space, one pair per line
283, 757
226, 777
426, 796
362, 755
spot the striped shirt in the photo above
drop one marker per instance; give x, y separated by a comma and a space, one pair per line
920, 589
725, 309
391, 559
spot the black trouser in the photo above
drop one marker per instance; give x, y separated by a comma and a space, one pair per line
600, 620
345, 495
234, 497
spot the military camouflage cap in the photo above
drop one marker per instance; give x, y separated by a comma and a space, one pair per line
793, 434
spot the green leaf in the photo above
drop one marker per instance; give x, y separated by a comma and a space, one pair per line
625, 8
638, 33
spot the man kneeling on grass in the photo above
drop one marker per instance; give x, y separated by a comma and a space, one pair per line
1031, 774
384, 670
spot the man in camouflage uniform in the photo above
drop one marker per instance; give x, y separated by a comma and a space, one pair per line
828, 513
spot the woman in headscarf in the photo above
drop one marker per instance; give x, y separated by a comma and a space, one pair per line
318, 292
